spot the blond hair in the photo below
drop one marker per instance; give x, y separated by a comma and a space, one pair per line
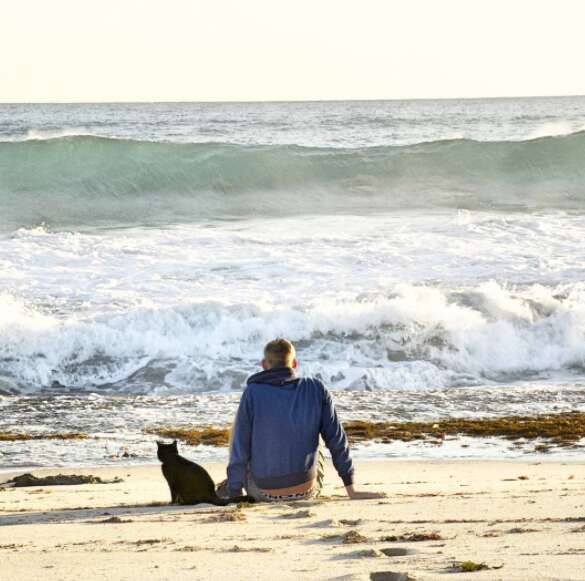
279, 353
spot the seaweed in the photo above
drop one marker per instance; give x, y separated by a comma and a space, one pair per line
24, 436
472, 566
207, 435
562, 429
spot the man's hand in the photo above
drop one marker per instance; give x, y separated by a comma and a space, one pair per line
362, 494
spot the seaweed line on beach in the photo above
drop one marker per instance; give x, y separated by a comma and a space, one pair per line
562, 429
25, 436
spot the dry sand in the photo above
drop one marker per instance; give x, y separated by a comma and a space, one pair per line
527, 517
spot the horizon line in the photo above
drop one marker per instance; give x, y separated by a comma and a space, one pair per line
268, 101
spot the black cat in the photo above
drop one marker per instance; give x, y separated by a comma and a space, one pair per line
189, 482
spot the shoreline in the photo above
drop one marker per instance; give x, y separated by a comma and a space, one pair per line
544, 437
529, 460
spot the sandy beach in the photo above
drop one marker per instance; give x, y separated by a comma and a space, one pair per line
524, 520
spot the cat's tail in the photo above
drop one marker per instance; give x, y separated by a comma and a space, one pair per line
234, 500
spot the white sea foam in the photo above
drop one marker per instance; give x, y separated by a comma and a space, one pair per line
410, 337
555, 129
389, 301
42, 134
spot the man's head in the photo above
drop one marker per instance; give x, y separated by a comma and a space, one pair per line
279, 353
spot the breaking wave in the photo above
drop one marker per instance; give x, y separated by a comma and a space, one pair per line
91, 181
414, 337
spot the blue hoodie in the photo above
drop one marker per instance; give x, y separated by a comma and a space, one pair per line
276, 432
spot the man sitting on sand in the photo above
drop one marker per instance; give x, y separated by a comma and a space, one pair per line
275, 453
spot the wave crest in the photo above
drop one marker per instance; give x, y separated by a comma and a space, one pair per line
417, 336
88, 180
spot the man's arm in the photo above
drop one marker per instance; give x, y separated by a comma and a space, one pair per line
240, 447
336, 440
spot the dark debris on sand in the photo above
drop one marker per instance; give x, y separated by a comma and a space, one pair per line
58, 480
472, 566
238, 549
412, 538
299, 514
228, 516
353, 537
110, 520
390, 576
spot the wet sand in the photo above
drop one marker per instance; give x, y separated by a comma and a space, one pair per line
524, 520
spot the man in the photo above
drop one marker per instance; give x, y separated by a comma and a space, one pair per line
274, 452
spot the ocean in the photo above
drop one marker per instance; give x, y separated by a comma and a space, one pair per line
427, 258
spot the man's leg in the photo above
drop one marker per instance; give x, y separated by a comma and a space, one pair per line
253, 490
249, 485
316, 490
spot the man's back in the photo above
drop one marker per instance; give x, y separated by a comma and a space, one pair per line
276, 433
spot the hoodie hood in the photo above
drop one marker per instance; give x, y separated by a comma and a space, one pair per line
276, 376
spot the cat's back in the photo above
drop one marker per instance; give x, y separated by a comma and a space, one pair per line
194, 469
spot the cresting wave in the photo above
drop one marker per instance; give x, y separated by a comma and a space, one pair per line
413, 337
87, 180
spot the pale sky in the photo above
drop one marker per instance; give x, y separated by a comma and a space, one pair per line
226, 50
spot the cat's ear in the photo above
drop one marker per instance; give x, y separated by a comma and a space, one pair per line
175, 445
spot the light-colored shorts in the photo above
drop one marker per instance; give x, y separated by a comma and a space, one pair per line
260, 495
313, 492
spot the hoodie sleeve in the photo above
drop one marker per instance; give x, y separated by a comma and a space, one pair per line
240, 446
335, 439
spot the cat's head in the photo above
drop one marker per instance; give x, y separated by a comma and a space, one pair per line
166, 451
